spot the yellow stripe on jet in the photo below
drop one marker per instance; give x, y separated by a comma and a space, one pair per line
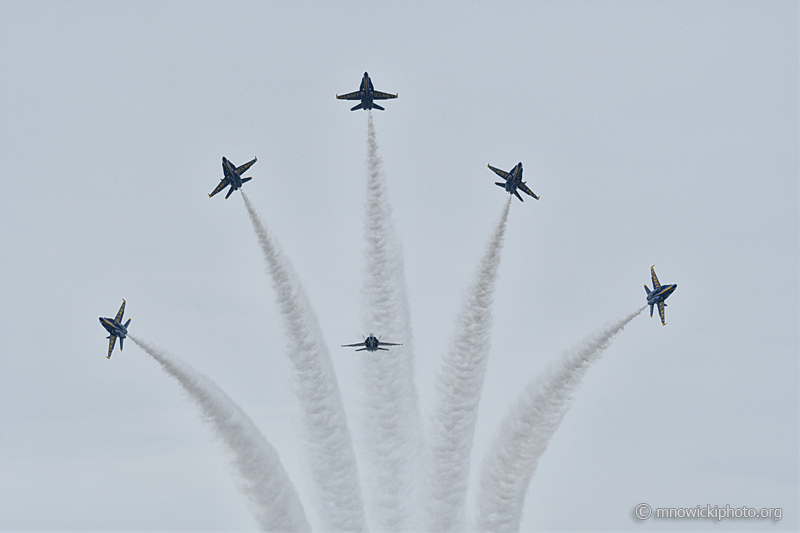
656, 284
121, 311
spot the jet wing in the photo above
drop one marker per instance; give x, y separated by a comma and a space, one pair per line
222, 185
242, 169
502, 173
352, 345
656, 284
112, 340
661, 306
120, 312
377, 95
524, 188
350, 96
381, 343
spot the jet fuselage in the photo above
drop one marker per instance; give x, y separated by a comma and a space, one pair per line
661, 294
114, 328
371, 343
367, 100
234, 179
515, 179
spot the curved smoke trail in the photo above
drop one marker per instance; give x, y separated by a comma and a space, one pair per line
458, 392
527, 428
330, 447
393, 428
270, 493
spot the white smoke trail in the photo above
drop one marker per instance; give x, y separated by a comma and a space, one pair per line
271, 496
458, 392
527, 428
393, 427
330, 447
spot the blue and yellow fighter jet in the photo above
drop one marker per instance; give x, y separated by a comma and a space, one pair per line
513, 181
367, 94
232, 176
371, 344
116, 329
658, 295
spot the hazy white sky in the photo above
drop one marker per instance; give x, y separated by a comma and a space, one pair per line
658, 133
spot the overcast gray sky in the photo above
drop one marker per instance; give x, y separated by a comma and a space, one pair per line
658, 133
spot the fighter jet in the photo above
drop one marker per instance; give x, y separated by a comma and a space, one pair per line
513, 181
371, 344
658, 295
367, 94
116, 329
232, 176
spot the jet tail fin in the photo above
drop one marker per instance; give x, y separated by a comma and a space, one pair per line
651, 310
120, 343
356, 107
503, 185
230, 191
376, 106
126, 323
518, 196
246, 179
647, 289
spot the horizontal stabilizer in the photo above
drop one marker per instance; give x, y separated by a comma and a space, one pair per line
126, 323
376, 106
230, 191
361, 349
356, 107
503, 185
647, 289
246, 179
518, 196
